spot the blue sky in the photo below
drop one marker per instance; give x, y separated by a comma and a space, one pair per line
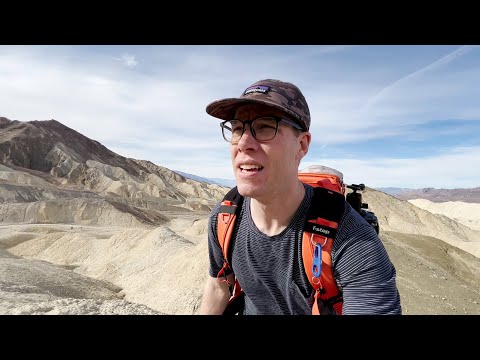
387, 116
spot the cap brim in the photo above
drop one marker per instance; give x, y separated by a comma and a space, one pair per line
225, 109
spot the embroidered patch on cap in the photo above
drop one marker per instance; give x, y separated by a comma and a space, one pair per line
257, 89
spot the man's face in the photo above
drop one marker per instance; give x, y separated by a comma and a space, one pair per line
264, 170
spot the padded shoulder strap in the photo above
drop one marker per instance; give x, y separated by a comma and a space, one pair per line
229, 210
233, 195
320, 229
227, 216
327, 204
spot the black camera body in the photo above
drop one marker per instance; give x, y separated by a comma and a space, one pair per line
354, 198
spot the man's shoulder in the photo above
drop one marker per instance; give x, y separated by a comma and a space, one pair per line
352, 215
354, 227
215, 209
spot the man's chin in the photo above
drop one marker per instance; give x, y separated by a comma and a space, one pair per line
249, 190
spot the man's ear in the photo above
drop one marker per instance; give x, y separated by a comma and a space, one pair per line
304, 140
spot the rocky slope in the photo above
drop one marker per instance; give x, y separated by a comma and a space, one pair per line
51, 173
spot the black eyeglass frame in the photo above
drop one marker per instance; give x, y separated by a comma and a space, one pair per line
278, 120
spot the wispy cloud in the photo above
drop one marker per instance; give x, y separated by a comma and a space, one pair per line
128, 60
445, 60
374, 98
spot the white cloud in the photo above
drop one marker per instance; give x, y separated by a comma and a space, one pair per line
128, 60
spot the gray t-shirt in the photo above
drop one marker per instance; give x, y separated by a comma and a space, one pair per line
271, 273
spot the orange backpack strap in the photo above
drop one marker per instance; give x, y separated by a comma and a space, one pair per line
227, 216
319, 231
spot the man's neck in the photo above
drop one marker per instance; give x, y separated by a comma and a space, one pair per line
272, 215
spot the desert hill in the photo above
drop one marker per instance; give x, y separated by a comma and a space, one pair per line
49, 170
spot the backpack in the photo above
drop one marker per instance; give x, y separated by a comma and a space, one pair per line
319, 231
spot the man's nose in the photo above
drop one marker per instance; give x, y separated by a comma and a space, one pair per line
247, 136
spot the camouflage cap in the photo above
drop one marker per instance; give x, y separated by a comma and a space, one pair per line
279, 94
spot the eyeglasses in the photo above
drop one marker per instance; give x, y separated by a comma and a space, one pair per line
263, 128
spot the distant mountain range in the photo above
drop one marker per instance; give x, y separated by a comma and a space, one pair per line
471, 195
392, 190
231, 183
218, 181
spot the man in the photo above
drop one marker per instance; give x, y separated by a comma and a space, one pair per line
268, 129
